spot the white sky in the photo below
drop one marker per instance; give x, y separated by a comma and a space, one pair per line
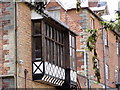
112, 6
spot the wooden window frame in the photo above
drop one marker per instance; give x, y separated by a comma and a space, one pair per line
72, 46
49, 43
34, 37
57, 44
92, 23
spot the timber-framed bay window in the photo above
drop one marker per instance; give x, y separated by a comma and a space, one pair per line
52, 53
54, 46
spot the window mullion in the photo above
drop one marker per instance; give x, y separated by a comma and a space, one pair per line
43, 39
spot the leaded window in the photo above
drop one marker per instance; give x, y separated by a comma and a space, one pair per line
72, 52
54, 45
53, 39
37, 40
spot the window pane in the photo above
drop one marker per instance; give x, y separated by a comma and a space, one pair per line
56, 54
52, 52
59, 55
46, 26
48, 30
71, 62
70, 40
107, 72
37, 55
92, 23
38, 47
48, 45
62, 38
58, 36
74, 59
62, 56
55, 14
38, 43
52, 33
73, 42
46, 54
37, 28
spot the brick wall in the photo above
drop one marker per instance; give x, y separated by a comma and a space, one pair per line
7, 55
82, 19
25, 48
111, 58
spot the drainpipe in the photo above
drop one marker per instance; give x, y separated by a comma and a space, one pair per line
16, 45
104, 56
87, 72
25, 72
85, 62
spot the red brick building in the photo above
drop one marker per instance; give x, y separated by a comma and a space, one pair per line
79, 22
35, 49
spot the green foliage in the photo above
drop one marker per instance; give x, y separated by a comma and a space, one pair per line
78, 6
97, 73
92, 39
112, 25
91, 46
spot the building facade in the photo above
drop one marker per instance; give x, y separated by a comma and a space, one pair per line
79, 22
35, 49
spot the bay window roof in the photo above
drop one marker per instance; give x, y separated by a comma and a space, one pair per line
37, 16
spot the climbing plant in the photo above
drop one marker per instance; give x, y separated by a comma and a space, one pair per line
78, 6
113, 25
91, 46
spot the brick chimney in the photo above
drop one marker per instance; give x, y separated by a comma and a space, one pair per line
93, 3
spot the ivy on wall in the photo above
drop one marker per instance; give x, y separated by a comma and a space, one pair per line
91, 46
78, 6
92, 39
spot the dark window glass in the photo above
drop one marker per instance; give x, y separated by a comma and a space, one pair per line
37, 28
38, 48
52, 33
54, 47
37, 41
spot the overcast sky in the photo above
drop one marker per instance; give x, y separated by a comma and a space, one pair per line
112, 5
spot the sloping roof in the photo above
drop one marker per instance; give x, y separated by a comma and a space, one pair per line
67, 4
99, 18
70, 4
98, 8
102, 3
36, 16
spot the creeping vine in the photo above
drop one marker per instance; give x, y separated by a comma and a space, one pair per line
91, 46
92, 39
